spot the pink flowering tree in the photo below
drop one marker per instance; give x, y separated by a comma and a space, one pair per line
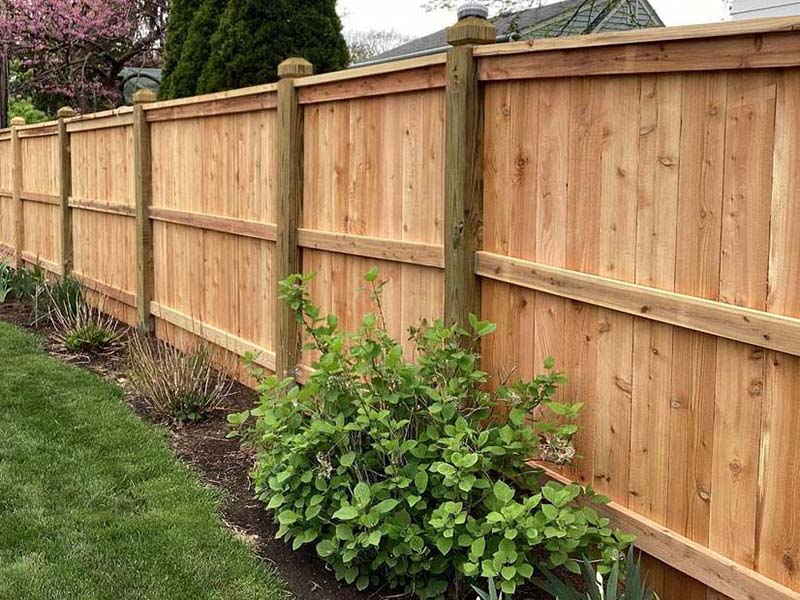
70, 52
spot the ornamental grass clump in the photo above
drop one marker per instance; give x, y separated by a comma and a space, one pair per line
414, 475
81, 329
181, 386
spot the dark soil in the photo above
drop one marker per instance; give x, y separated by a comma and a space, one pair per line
221, 462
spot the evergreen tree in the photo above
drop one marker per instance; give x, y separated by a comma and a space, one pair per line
254, 36
180, 18
196, 48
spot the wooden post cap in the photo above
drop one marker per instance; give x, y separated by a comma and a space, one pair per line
471, 30
144, 96
17, 121
65, 112
295, 67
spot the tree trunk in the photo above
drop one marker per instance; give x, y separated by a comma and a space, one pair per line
3, 89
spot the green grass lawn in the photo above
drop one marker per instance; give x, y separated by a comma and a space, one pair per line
93, 504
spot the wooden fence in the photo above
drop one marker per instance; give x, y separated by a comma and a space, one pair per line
634, 200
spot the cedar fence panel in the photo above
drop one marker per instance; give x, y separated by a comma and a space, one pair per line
41, 233
374, 187
641, 211
102, 203
214, 215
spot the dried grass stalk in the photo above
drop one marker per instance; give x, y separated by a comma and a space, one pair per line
82, 329
180, 386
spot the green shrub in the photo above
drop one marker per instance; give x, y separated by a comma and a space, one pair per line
597, 587
174, 384
412, 474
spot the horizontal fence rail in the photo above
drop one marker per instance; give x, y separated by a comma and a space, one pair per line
627, 203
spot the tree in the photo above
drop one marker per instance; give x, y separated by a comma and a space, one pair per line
254, 36
181, 14
71, 51
196, 48
363, 45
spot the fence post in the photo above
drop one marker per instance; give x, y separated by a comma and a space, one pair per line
290, 205
65, 188
16, 189
463, 218
143, 188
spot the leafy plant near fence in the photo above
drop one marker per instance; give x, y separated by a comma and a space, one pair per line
598, 587
82, 329
20, 283
409, 473
180, 386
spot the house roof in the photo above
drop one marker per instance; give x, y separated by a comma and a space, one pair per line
574, 17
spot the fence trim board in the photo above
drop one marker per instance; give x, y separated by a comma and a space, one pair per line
383, 84
415, 253
638, 36
768, 330
51, 199
107, 122
48, 265
214, 335
122, 296
687, 556
747, 52
373, 70
111, 208
214, 108
217, 96
230, 225
49, 131
37, 126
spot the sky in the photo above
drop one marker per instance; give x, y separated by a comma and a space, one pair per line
410, 18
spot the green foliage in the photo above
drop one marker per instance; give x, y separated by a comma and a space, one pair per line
90, 337
254, 36
183, 386
6, 278
196, 48
597, 588
25, 108
491, 592
20, 284
181, 14
405, 473
84, 329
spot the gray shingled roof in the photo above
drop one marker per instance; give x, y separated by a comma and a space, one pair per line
589, 13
